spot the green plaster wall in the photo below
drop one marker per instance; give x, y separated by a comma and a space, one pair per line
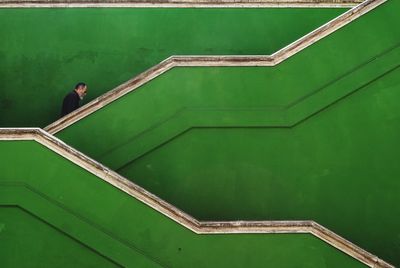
27, 241
54, 194
45, 52
316, 170
315, 137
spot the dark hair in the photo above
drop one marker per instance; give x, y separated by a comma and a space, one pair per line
80, 84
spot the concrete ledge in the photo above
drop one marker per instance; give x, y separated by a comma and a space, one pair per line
198, 227
178, 3
210, 61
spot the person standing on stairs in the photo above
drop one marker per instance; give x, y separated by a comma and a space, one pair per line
71, 101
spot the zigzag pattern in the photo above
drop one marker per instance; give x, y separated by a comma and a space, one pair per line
287, 116
198, 227
191, 61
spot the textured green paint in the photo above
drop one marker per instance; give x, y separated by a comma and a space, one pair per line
45, 52
339, 168
128, 232
259, 92
27, 241
315, 137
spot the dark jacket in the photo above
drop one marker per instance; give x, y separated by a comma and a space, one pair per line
70, 103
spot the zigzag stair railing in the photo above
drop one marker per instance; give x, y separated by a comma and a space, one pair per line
198, 227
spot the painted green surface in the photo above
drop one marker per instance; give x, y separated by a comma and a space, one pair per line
45, 52
315, 137
122, 228
27, 241
339, 168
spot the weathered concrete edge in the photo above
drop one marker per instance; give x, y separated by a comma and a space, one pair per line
198, 227
214, 61
178, 3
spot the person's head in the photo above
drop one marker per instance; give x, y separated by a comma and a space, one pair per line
81, 89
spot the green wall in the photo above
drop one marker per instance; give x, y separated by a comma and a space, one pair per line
45, 52
27, 241
76, 213
315, 137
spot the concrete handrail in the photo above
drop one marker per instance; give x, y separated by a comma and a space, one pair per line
190, 61
179, 3
198, 227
